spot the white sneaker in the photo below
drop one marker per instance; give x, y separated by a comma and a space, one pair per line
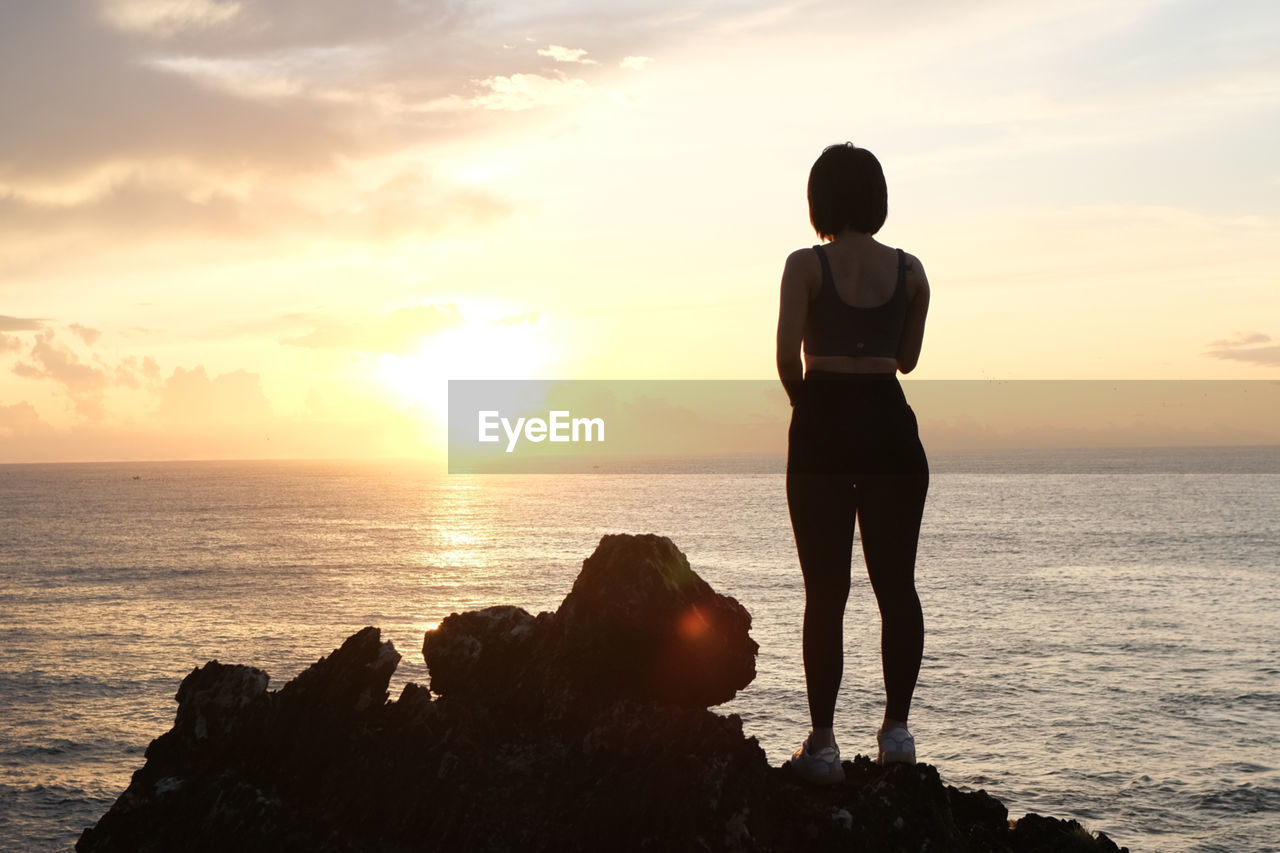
897, 746
824, 768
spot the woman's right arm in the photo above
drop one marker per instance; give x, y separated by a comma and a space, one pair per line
917, 310
792, 311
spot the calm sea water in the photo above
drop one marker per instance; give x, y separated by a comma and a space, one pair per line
1102, 632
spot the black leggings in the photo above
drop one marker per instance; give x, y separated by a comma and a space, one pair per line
854, 452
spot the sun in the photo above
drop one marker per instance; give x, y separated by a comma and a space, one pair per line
480, 349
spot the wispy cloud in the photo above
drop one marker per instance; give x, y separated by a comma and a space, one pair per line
526, 91
21, 324
1251, 348
566, 54
1241, 339
409, 204
219, 25
165, 18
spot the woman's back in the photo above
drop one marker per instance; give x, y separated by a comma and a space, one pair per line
868, 293
864, 272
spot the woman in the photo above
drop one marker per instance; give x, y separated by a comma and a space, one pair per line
858, 307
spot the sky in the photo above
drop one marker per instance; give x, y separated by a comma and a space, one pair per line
276, 228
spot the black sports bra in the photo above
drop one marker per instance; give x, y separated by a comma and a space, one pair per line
834, 327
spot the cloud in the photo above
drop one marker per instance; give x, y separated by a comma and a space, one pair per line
237, 119
278, 25
245, 78
235, 398
84, 333
19, 419
131, 371
164, 18
400, 332
54, 361
405, 205
83, 383
634, 63
566, 54
1241, 339
20, 324
526, 91
113, 107
242, 89
1245, 347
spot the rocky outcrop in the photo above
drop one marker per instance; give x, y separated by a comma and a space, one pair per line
638, 624
583, 729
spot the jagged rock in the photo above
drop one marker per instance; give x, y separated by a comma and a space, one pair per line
211, 697
531, 741
1037, 834
243, 765
639, 623
353, 679
489, 653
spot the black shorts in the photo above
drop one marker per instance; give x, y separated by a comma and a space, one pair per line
854, 425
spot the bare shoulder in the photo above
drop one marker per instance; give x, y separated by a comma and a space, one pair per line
917, 281
803, 271
802, 260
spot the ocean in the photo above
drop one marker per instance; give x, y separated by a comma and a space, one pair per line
1102, 629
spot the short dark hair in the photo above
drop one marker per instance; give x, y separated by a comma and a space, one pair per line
847, 190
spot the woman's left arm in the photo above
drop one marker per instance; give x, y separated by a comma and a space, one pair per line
917, 310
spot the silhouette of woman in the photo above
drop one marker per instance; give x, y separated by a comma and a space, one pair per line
854, 451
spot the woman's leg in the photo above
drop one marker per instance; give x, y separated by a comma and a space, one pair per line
823, 512
889, 512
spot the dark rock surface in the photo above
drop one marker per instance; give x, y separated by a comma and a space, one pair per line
638, 624
583, 729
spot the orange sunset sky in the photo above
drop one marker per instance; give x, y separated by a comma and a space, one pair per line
274, 228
